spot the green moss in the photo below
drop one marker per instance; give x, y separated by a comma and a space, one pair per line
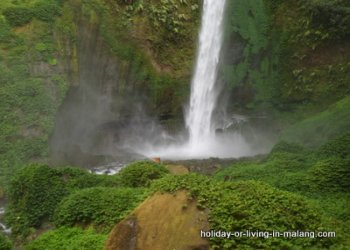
140, 174
68, 238
318, 129
248, 26
99, 207
249, 20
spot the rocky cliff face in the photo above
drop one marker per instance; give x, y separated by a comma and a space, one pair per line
102, 101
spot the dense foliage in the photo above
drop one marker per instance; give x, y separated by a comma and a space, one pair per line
332, 15
290, 58
321, 175
318, 129
250, 205
5, 243
140, 174
100, 207
35, 192
42, 10
32, 87
68, 238
293, 168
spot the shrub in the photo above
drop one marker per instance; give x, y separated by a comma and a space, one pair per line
5, 243
284, 146
140, 174
250, 205
281, 169
333, 15
18, 16
47, 10
101, 207
77, 178
44, 10
68, 238
36, 190
332, 174
33, 196
322, 127
339, 147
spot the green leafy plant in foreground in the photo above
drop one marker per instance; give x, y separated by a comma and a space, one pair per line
68, 238
5, 243
100, 207
140, 174
251, 205
36, 190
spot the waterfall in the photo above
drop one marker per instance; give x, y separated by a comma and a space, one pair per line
203, 142
204, 93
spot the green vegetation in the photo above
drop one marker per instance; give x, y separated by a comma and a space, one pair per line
248, 25
318, 129
157, 40
140, 174
289, 58
5, 243
331, 15
43, 10
69, 196
30, 90
309, 78
40, 61
35, 192
68, 238
296, 169
293, 188
322, 176
99, 207
243, 205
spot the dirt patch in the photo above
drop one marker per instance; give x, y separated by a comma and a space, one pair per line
163, 221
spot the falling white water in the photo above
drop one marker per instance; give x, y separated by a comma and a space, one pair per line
203, 142
204, 93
